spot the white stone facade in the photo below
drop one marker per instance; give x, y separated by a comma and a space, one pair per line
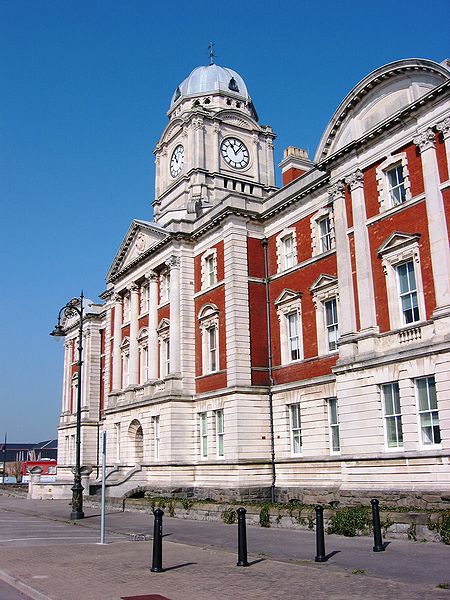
240, 296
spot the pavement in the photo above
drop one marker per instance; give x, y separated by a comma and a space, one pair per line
45, 556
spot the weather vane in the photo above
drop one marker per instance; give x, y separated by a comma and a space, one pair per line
211, 52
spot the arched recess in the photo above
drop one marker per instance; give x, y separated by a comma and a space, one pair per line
136, 436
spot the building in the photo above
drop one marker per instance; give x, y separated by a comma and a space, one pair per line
288, 343
14, 456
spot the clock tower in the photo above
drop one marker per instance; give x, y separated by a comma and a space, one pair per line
212, 148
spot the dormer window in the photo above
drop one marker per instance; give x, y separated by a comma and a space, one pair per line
233, 86
177, 94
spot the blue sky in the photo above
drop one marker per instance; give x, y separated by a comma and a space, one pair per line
85, 87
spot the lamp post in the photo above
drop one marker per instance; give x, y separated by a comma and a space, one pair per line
72, 308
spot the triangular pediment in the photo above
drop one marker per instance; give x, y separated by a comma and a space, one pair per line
323, 281
138, 241
287, 296
398, 240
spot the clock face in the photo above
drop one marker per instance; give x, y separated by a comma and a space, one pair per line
177, 160
235, 153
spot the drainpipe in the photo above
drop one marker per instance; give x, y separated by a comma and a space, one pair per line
264, 243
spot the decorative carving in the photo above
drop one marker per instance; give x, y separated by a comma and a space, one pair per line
141, 242
133, 288
216, 127
117, 298
151, 276
197, 123
173, 262
355, 180
337, 190
425, 140
444, 127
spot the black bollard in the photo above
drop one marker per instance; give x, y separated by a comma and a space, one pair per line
377, 538
320, 536
242, 539
157, 542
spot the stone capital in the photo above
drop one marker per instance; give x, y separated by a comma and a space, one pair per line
337, 190
444, 127
133, 288
355, 180
425, 140
173, 262
117, 298
151, 276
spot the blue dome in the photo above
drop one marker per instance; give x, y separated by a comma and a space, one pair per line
205, 80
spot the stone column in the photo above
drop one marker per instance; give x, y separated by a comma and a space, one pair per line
174, 295
347, 318
444, 128
216, 149
117, 363
153, 350
66, 379
269, 162
133, 378
255, 140
237, 320
437, 225
199, 141
364, 277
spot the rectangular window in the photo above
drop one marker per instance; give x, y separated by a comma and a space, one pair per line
333, 415
219, 432
325, 234
166, 357
203, 435
156, 439
294, 338
331, 323
296, 431
392, 415
288, 252
428, 411
212, 349
408, 292
210, 271
396, 185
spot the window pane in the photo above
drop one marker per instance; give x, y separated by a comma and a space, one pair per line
432, 392
336, 445
422, 391
332, 402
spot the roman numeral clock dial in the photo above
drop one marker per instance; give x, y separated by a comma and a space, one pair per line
235, 153
177, 161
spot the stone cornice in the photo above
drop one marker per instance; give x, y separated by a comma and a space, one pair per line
385, 125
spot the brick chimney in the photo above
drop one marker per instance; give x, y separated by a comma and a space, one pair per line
295, 162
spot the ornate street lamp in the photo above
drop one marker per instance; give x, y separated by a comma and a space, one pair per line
72, 308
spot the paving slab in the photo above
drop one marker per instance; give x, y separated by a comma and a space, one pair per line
200, 562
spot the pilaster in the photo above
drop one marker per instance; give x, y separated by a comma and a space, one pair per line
364, 277
153, 349
347, 318
237, 321
437, 227
133, 378
174, 336
116, 342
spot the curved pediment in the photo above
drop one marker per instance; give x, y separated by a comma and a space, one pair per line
377, 97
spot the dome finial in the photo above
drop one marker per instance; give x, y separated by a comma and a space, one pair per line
211, 52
